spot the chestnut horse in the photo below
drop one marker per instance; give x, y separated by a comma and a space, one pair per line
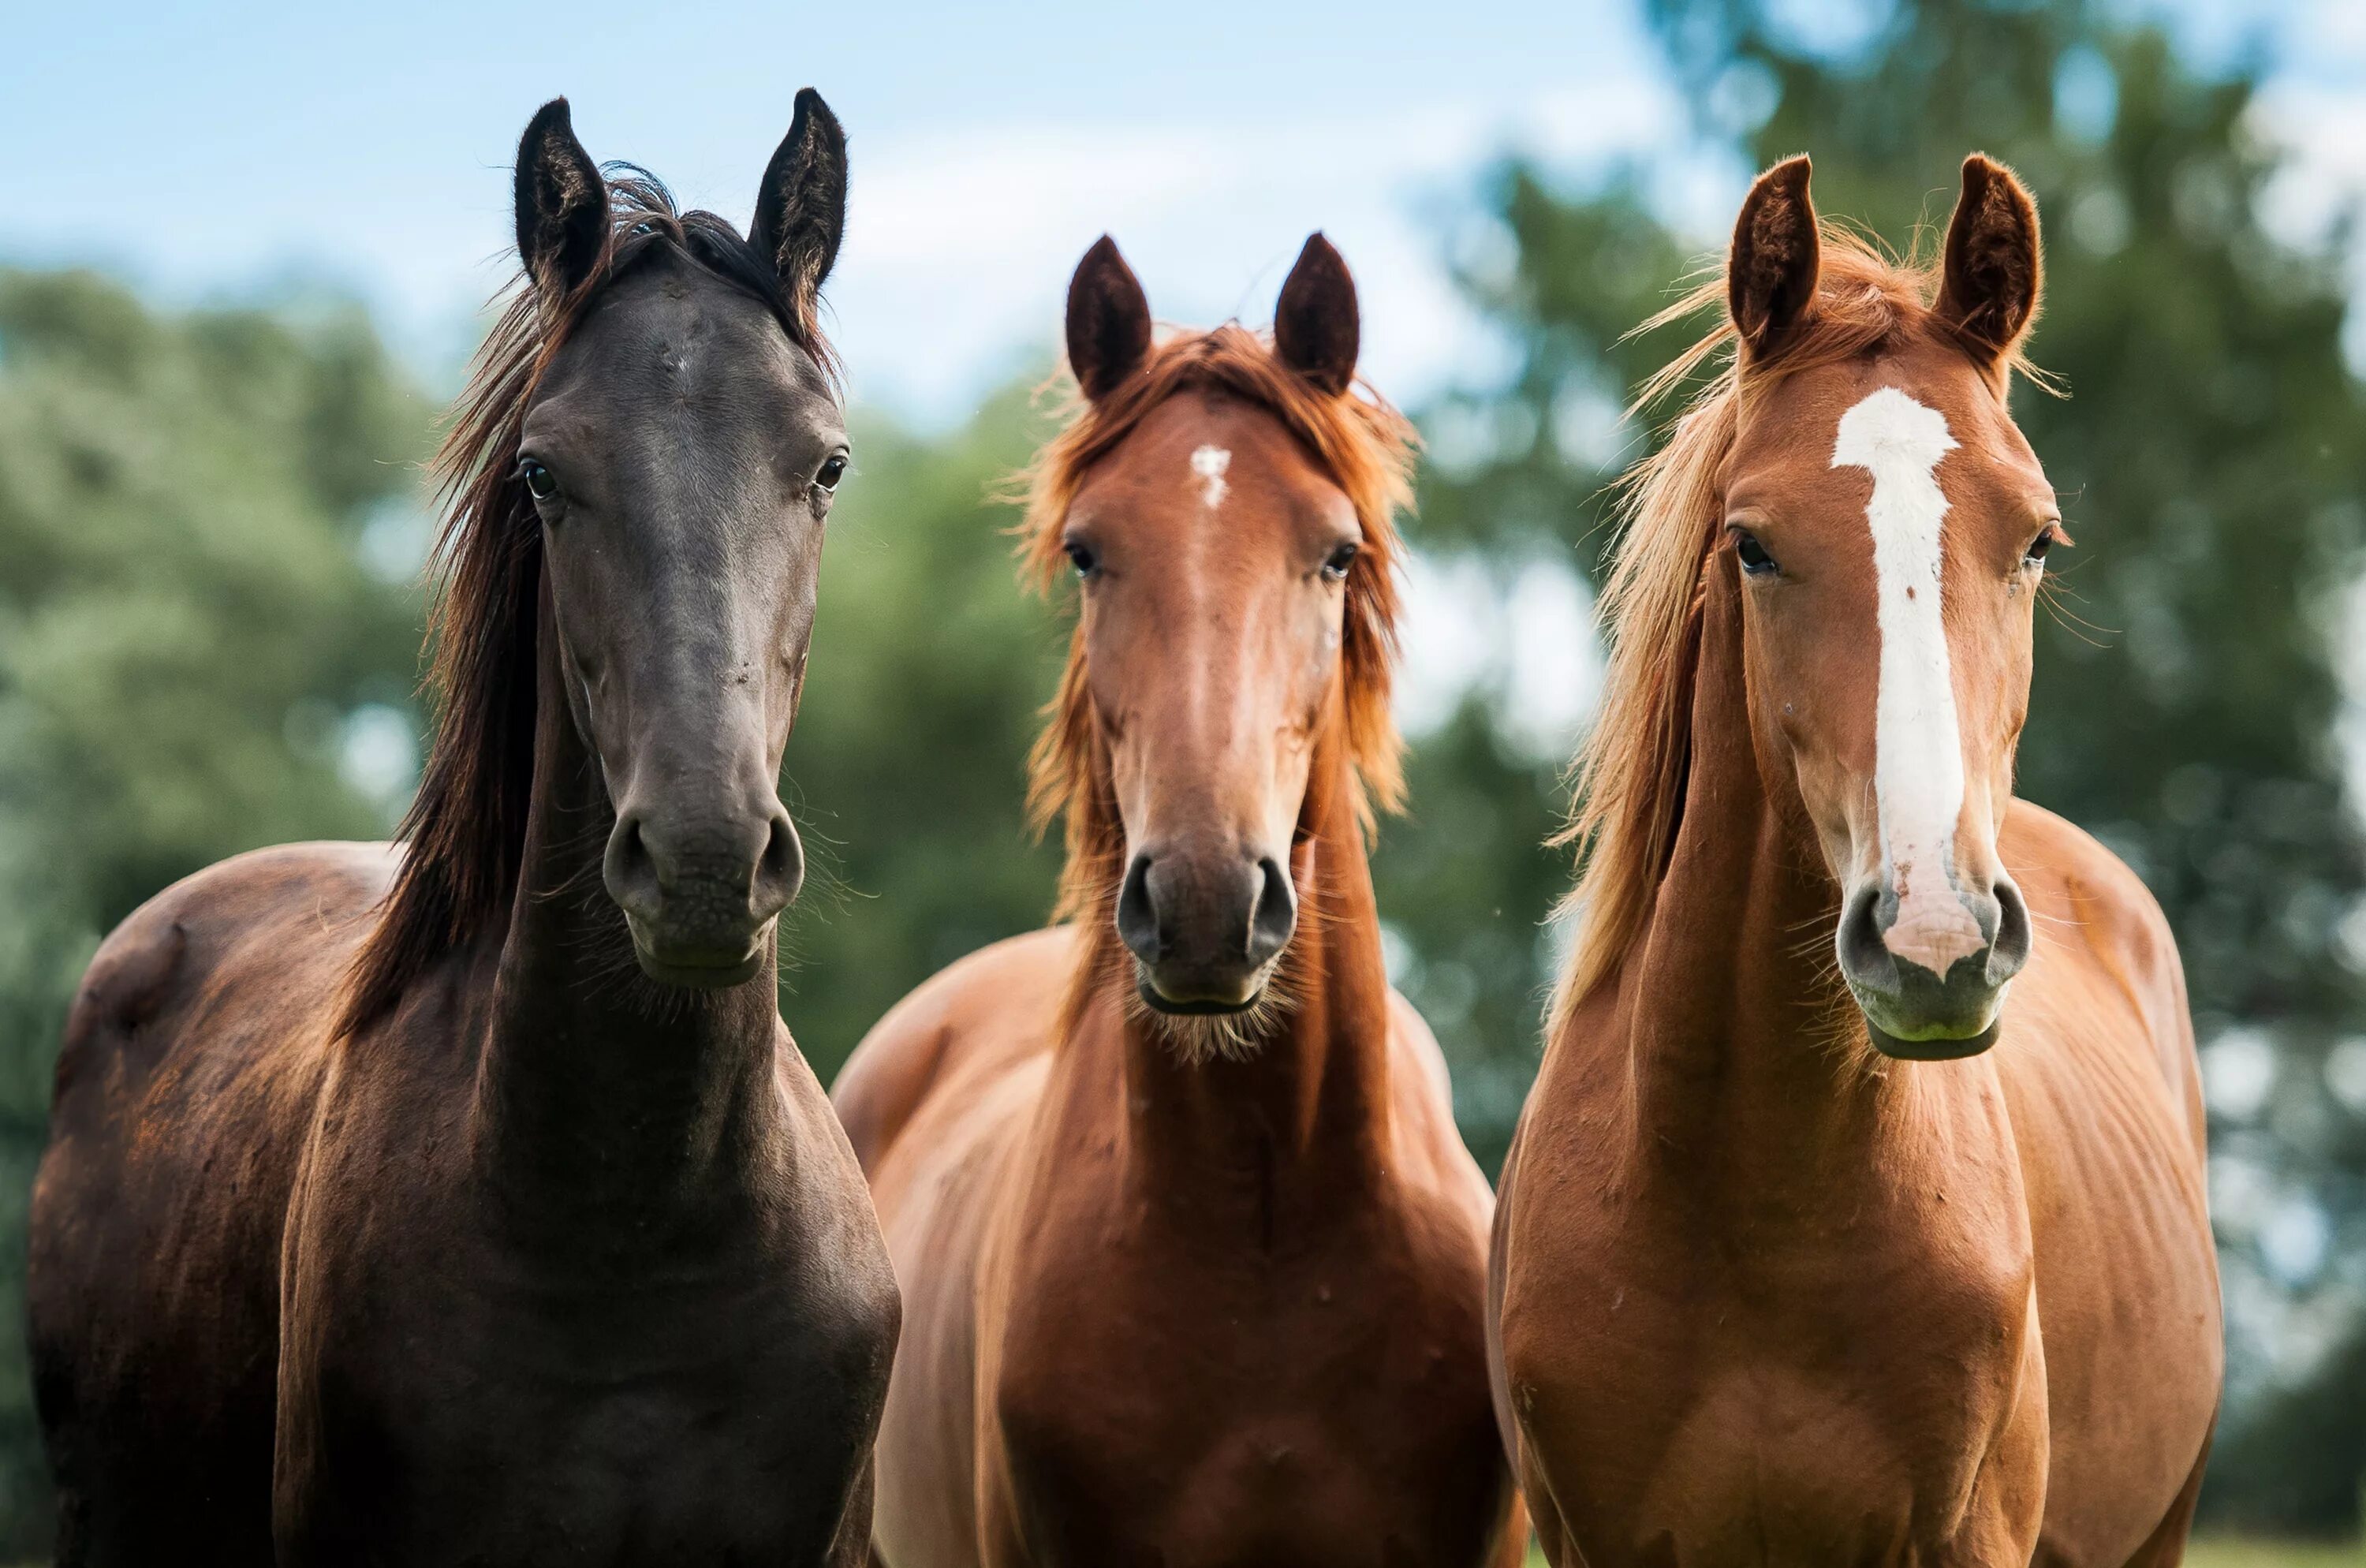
1194, 1260
469, 1204
1846, 1256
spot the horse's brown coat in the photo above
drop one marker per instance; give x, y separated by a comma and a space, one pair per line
1763, 1296
1171, 1298
390, 1214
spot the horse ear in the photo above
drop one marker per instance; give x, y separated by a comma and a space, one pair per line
562, 203
1109, 321
1992, 272
800, 209
1316, 326
1770, 275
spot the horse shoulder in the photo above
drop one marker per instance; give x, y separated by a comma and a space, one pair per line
2099, 1069
935, 1099
1426, 1102
2091, 909
1410, 1036
192, 1060
257, 944
1002, 998
193, 1054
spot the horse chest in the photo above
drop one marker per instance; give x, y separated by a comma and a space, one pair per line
521, 1432
1860, 1382
447, 1396
1328, 1412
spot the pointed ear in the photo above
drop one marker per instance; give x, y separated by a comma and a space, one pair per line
562, 203
1993, 275
1109, 321
1770, 275
801, 208
1316, 327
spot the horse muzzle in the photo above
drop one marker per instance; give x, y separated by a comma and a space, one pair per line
1930, 995
1205, 931
701, 899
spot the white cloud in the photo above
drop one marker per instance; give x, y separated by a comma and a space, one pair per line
1526, 638
959, 247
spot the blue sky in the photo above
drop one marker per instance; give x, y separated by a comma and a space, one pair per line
240, 149
199, 149
234, 148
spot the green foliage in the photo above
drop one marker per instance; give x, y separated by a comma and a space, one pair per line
179, 504
907, 769
1465, 883
184, 623
1516, 474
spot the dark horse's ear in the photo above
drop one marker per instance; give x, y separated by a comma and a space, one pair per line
562, 203
1770, 275
1316, 328
1109, 321
1989, 289
801, 211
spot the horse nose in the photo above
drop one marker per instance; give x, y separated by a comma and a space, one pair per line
1932, 994
699, 890
1137, 921
1274, 919
1204, 929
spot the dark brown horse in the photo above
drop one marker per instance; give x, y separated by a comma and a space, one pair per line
1193, 1257
1816, 1245
469, 1203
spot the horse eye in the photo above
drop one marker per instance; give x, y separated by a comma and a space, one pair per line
2035, 555
1335, 566
1754, 558
540, 483
1080, 554
832, 472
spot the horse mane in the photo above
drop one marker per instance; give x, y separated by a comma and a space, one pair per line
1630, 775
1363, 445
466, 827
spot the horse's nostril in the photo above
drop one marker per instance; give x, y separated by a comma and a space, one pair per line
2009, 947
780, 870
1863, 955
631, 871
1275, 916
1137, 922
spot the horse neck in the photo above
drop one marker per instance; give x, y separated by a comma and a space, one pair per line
1743, 1052
600, 1094
1313, 1094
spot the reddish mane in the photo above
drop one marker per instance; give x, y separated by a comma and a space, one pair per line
1365, 447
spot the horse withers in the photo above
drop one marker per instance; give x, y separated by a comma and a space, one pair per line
467, 1201
1858, 1213
1193, 1257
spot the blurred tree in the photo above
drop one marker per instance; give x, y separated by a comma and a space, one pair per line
2211, 459
195, 658
907, 771
1515, 475
1466, 883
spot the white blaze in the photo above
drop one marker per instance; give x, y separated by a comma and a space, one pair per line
1210, 463
1918, 743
